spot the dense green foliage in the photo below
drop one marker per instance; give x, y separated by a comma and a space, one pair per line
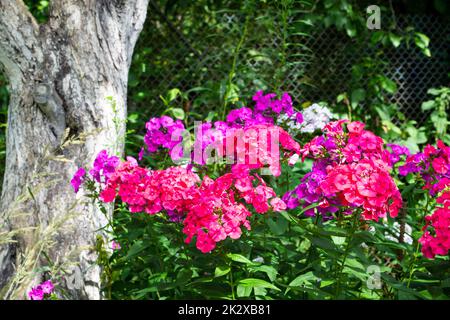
227, 74
286, 256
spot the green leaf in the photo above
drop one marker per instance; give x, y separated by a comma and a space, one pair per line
427, 105
427, 52
257, 283
439, 122
211, 116
359, 275
311, 206
305, 245
178, 113
357, 96
133, 117
172, 94
221, 271
341, 97
184, 276
395, 39
388, 85
302, 279
435, 92
421, 40
166, 103
326, 283
351, 30
278, 227
324, 243
338, 240
137, 247
269, 270
288, 216
262, 292
239, 258
243, 291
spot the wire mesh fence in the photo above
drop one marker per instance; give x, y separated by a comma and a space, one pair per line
415, 73
317, 68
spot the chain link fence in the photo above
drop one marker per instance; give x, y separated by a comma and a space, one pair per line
317, 68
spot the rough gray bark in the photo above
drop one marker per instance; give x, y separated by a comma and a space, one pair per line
59, 76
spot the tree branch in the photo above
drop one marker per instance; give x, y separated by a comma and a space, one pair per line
133, 20
131, 15
113, 19
19, 41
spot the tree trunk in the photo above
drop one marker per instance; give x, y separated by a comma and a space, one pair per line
60, 75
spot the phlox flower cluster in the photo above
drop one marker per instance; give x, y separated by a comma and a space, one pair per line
397, 151
166, 133
150, 191
315, 117
266, 109
208, 135
217, 214
41, 291
258, 146
432, 165
249, 125
351, 170
439, 223
104, 166
163, 132
78, 179
211, 210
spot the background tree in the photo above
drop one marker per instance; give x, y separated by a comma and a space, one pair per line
59, 75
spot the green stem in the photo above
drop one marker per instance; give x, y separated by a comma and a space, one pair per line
346, 252
412, 267
232, 283
308, 260
157, 291
233, 66
349, 108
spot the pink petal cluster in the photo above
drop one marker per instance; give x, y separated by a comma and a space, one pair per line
163, 132
104, 166
433, 165
115, 245
266, 108
217, 214
151, 191
210, 209
258, 146
439, 222
39, 292
363, 184
268, 103
351, 170
78, 179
